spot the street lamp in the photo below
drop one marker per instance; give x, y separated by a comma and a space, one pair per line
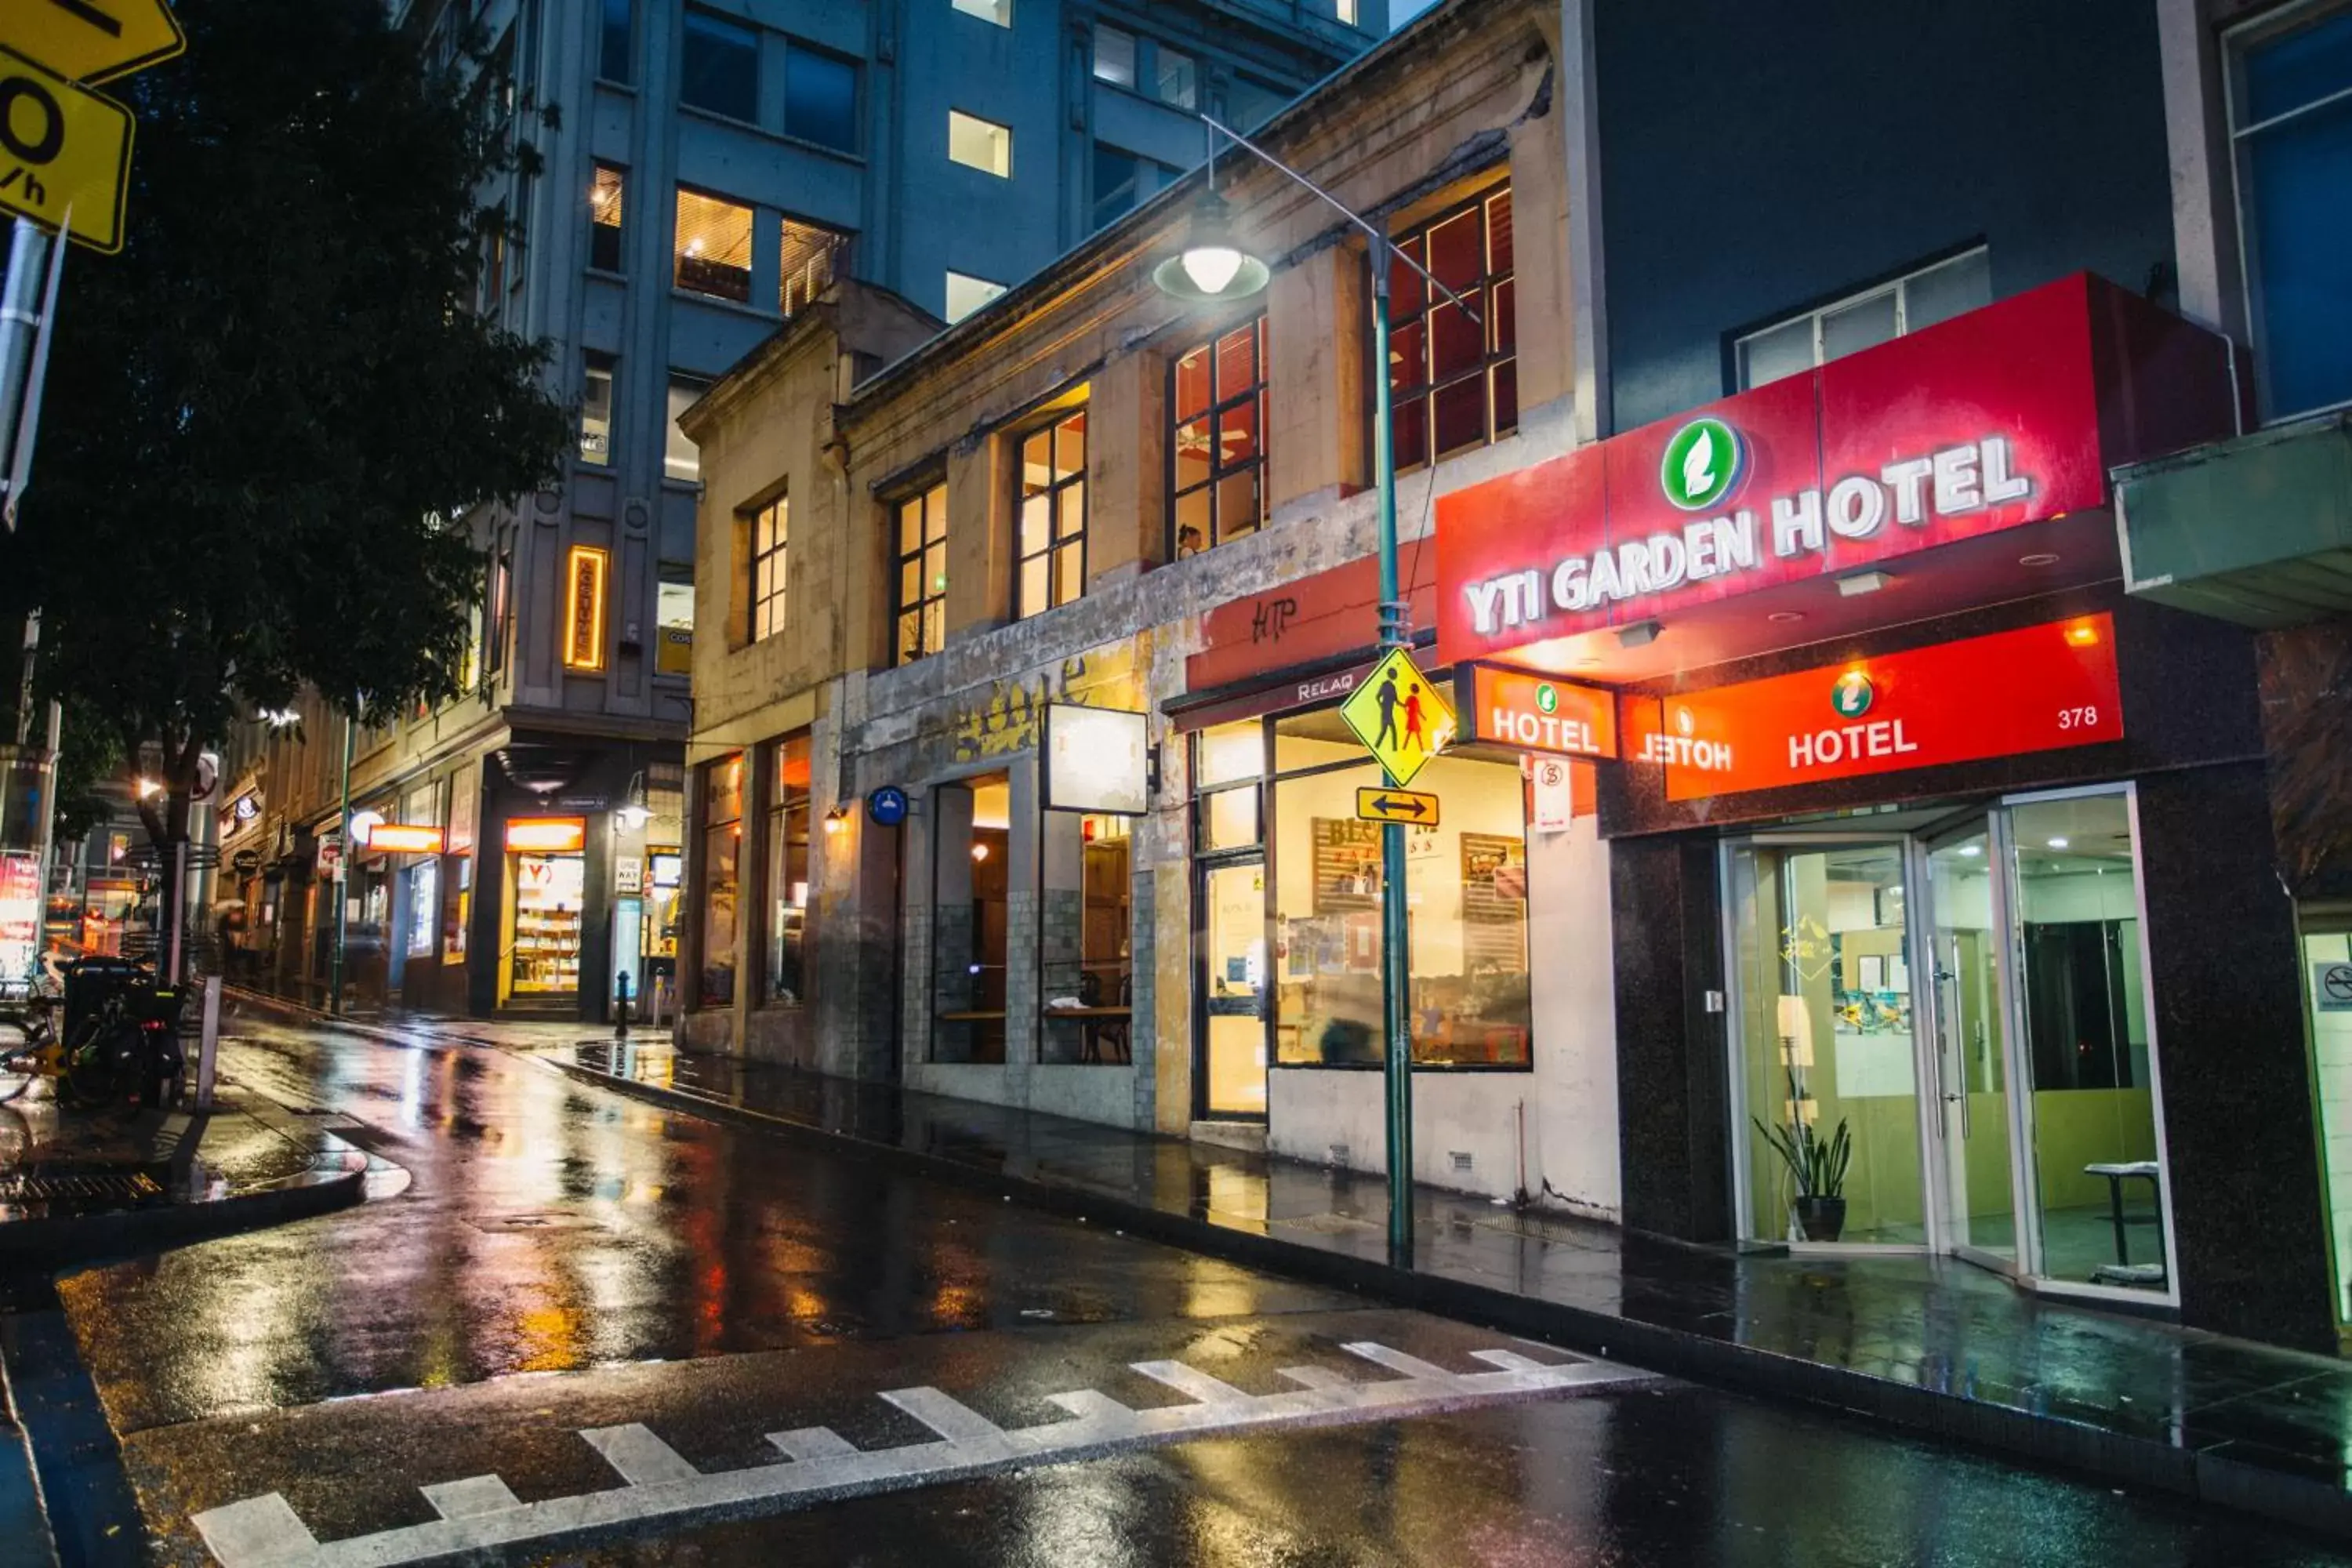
1213, 267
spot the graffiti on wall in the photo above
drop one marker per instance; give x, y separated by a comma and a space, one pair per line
1006, 715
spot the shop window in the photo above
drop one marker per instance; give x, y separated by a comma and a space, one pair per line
788, 870
613, 41
1086, 924
1465, 895
1115, 57
919, 587
584, 591
604, 219
1452, 381
813, 255
2291, 121
771, 528
722, 850
674, 619
1862, 320
966, 294
821, 98
720, 67
424, 908
1051, 570
1216, 444
970, 912
997, 11
712, 249
681, 458
546, 885
457, 920
596, 408
978, 144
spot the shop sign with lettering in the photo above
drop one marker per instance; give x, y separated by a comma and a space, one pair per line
1531, 712
2004, 416
2032, 689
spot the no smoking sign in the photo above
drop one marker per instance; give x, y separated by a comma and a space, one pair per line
2331, 987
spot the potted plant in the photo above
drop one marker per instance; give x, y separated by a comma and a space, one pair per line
1819, 1166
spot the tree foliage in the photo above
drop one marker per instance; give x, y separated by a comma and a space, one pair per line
260, 414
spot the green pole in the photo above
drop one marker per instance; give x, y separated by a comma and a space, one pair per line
344, 869
1397, 1058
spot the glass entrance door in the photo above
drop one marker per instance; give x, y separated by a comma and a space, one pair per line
1825, 1052
1972, 1043
1233, 984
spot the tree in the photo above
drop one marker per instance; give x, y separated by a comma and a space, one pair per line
267, 417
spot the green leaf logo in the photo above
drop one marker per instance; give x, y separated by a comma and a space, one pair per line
1548, 698
1703, 464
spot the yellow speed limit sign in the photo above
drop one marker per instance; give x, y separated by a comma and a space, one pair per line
65, 153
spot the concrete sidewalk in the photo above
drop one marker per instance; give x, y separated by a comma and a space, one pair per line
1931, 1346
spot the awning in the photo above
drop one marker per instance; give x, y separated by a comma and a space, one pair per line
2256, 529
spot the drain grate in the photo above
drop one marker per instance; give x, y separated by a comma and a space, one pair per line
51, 1188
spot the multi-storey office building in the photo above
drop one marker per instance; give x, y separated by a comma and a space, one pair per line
710, 168
1762, 497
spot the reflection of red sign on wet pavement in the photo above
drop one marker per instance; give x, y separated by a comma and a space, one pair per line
2025, 690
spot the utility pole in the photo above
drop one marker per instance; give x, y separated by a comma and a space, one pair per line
343, 865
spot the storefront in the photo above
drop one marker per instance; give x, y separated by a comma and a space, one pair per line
1941, 876
546, 897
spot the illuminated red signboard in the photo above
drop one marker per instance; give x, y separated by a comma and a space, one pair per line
2004, 416
2027, 690
1532, 712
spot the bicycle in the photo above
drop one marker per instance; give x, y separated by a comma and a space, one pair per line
39, 1054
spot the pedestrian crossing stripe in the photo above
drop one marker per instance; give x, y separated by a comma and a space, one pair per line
1399, 717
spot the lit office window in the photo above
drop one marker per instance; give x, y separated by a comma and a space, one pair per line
771, 528
604, 219
811, 257
1052, 569
596, 409
1345, 10
713, 246
1454, 376
966, 294
920, 587
821, 98
612, 42
2291, 121
719, 69
1115, 55
1216, 442
683, 459
585, 569
997, 11
978, 144
1865, 321
1176, 77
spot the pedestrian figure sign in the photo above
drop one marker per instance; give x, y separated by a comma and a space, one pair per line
1399, 716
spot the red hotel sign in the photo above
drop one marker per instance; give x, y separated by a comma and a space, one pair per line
1538, 713
2027, 690
2006, 415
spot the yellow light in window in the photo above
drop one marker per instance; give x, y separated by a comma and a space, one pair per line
585, 570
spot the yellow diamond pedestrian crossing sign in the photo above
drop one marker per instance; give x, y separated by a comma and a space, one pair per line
1399, 716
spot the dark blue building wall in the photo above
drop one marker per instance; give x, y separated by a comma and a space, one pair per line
1761, 156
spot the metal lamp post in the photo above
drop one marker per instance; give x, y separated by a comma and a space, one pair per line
1213, 267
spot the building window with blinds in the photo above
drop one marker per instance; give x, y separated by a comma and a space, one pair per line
1454, 380
713, 248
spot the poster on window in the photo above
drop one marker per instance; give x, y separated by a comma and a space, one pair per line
1347, 865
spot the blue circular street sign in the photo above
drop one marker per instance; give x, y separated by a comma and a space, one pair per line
887, 806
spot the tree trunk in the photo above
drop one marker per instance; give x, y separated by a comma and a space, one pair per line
165, 819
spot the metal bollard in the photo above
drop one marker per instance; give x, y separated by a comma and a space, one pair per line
620, 1010
208, 1041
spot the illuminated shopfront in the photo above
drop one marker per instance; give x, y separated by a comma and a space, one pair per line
546, 883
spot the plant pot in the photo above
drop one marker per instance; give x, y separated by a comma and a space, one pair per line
1820, 1219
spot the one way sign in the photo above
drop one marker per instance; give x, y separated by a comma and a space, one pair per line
1396, 805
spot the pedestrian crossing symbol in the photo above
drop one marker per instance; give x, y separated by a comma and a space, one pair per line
1399, 716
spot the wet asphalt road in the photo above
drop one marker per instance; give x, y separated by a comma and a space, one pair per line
564, 1260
